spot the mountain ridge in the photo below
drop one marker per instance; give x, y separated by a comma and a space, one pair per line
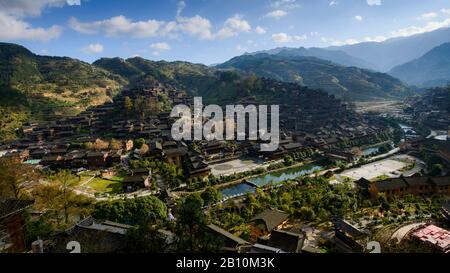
346, 82
336, 56
431, 69
396, 51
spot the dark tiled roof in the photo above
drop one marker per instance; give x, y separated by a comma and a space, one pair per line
363, 183
181, 151
9, 206
272, 218
135, 179
286, 241
441, 181
417, 181
292, 146
227, 234
392, 184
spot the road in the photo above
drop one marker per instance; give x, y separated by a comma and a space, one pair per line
400, 233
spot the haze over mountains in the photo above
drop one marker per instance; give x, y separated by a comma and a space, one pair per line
432, 69
335, 56
36, 87
420, 60
393, 52
350, 83
33, 86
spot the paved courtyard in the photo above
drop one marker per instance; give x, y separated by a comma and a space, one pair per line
390, 167
235, 166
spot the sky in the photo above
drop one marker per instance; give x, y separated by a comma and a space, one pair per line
208, 31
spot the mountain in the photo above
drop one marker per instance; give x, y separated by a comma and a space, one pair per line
335, 56
390, 53
194, 78
350, 83
39, 87
432, 69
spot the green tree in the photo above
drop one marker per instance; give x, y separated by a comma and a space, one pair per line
14, 176
144, 238
128, 105
132, 211
191, 222
65, 182
211, 195
307, 213
138, 143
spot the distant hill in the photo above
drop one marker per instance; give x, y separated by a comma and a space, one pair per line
335, 56
432, 69
350, 83
393, 52
38, 87
194, 78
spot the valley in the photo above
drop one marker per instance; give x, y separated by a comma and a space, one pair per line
359, 150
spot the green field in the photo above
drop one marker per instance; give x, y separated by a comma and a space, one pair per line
100, 185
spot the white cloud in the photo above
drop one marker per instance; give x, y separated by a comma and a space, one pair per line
379, 38
32, 7
180, 7
74, 2
412, 30
276, 14
12, 28
232, 27
358, 18
196, 26
260, 30
445, 11
345, 42
286, 38
160, 46
119, 25
373, 2
427, 16
93, 49
333, 3
285, 4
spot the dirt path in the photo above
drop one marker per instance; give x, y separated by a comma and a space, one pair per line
400, 233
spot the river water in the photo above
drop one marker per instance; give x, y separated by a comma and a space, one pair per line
264, 180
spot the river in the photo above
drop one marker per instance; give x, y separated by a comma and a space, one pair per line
267, 179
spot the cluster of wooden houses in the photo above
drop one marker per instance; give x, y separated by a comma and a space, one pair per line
400, 187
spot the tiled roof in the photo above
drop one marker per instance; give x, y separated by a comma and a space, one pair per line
9, 206
272, 218
227, 234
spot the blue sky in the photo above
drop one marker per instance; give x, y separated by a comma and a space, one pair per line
208, 31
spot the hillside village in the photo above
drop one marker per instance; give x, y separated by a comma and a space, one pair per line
112, 152
91, 158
